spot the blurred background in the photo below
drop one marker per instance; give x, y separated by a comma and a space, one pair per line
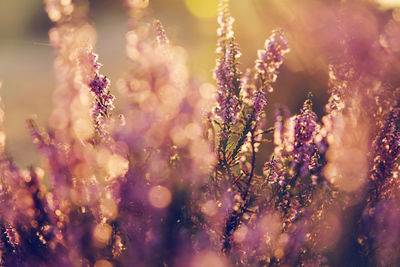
26, 58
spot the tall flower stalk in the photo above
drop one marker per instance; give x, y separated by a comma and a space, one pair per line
234, 181
103, 103
227, 73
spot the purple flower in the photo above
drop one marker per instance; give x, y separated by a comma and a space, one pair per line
227, 73
160, 33
259, 101
98, 85
387, 151
305, 125
103, 103
274, 172
305, 129
295, 142
271, 58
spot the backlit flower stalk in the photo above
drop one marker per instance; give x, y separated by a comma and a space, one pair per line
265, 73
160, 33
387, 151
266, 67
338, 83
227, 73
270, 59
380, 212
299, 157
103, 103
246, 183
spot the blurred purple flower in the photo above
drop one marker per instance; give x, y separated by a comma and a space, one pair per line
387, 151
160, 33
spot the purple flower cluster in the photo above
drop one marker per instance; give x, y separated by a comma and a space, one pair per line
305, 129
266, 71
271, 58
227, 73
294, 169
259, 101
387, 151
160, 33
297, 139
305, 125
99, 85
247, 95
103, 103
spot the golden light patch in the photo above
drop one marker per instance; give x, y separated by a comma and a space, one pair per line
102, 234
65, 2
109, 208
389, 3
203, 8
207, 91
117, 166
209, 208
103, 263
192, 131
160, 197
138, 3
240, 234
54, 15
208, 258
23, 199
83, 129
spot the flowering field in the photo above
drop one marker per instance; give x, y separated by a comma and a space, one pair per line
168, 167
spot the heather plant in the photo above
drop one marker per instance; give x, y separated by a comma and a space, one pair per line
178, 180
